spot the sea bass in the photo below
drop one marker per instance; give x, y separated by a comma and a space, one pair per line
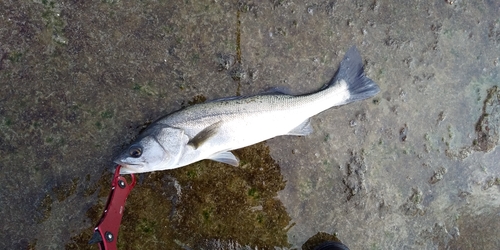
211, 130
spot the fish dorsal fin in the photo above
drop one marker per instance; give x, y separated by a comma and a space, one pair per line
303, 129
277, 91
269, 91
204, 135
226, 157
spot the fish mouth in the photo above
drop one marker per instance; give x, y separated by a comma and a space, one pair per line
128, 168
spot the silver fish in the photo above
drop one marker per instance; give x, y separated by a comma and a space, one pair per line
211, 130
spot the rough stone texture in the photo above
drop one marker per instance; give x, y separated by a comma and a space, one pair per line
416, 167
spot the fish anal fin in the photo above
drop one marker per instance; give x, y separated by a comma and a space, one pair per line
226, 157
204, 135
303, 129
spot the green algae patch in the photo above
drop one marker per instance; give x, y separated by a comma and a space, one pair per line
203, 205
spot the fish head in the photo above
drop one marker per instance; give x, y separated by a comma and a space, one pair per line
158, 148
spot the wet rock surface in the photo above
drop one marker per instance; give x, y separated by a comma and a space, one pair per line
488, 125
354, 179
415, 167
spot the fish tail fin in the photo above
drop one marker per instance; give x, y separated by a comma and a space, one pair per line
351, 71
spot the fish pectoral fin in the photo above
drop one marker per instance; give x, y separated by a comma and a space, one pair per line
204, 135
226, 157
303, 129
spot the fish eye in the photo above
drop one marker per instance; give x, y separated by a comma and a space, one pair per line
135, 152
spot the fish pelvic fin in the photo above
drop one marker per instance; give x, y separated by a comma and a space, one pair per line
351, 71
226, 157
